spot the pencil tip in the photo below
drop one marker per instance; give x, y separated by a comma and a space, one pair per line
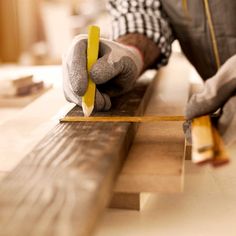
87, 110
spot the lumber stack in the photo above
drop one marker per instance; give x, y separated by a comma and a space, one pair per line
18, 85
19, 89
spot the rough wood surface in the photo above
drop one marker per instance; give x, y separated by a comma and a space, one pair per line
188, 151
28, 126
156, 159
63, 185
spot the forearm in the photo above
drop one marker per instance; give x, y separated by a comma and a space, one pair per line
142, 24
148, 49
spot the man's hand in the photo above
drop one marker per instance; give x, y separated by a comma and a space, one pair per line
219, 92
114, 73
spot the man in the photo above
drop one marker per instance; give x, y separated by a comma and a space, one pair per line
144, 31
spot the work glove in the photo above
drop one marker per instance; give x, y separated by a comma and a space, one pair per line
114, 73
219, 92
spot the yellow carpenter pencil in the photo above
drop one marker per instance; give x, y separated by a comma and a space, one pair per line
92, 55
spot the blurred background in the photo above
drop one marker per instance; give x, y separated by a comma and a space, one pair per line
37, 32
34, 34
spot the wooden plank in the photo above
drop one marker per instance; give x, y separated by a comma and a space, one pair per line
28, 126
193, 87
202, 140
9, 31
156, 160
22, 101
129, 201
188, 151
63, 185
221, 154
207, 145
19, 28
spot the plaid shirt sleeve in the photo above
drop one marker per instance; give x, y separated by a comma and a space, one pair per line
144, 17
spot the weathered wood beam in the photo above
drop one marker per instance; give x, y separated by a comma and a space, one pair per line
64, 184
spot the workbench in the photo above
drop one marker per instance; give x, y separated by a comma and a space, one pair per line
164, 175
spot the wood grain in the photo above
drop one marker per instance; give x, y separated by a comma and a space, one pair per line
63, 185
9, 31
26, 127
221, 154
156, 159
207, 145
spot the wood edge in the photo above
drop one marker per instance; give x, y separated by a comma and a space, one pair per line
187, 150
221, 154
129, 201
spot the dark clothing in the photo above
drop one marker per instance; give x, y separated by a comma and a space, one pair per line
190, 27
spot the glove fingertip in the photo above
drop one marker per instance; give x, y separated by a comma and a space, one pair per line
102, 71
107, 102
76, 66
102, 102
98, 74
79, 82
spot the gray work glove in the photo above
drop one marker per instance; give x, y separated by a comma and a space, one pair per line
114, 73
219, 92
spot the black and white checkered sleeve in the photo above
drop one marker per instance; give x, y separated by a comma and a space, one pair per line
144, 17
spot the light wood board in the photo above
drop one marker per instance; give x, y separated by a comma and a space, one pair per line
156, 160
129, 201
28, 126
